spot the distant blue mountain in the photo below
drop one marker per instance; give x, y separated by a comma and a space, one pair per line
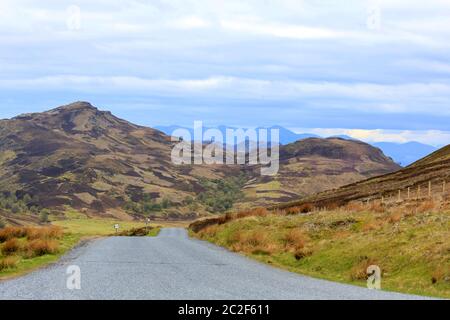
402, 153
405, 153
286, 136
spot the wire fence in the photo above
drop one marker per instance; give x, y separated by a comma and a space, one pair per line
430, 190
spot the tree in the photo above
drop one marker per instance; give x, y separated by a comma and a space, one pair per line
43, 215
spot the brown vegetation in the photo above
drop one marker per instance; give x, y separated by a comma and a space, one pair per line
40, 247
10, 247
8, 262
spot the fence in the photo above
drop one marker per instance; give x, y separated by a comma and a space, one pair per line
432, 190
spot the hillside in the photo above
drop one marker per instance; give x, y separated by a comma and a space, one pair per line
426, 178
313, 165
81, 157
78, 157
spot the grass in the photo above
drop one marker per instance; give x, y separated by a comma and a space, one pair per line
154, 232
96, 227
412, 249
24, 249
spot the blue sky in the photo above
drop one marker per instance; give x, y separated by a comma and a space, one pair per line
377, 70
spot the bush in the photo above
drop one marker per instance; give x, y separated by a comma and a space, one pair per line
11, 232
52, 232
43, 216
39, 247
303, 208
10, 247
8, 263
359, 270
295, 238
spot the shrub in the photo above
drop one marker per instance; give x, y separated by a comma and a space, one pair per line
294, 238
39, 247
255, 239
359, 270
8, 263
426, 206
440, 274
303, 208
43, 216
10, 247
52, 232
302, 253
11, 232
395, 217
376, 207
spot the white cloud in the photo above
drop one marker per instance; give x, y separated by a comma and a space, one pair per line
372, 97
431, 137
192, 22
279, 30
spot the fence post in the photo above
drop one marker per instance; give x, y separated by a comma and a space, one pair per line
399, 195
409, 193
418, 192
443, 186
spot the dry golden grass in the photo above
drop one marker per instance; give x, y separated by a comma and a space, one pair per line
40, 247
440, 274
8, 262
395, 217
354, 206
359, 271
11, 232
52, 232
10, 247
295, 238
427, 206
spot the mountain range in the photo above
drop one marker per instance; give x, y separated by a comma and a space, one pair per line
78, 157
402, 153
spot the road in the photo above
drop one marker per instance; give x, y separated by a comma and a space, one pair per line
173, 266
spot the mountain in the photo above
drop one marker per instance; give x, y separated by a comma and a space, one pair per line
402, 153
405, 153
78, 157
315, 164
430, 175
286, 136
83, 158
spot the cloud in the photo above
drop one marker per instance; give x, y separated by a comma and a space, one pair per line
432, 137
192, 22
298, 60
282, 31
371, 97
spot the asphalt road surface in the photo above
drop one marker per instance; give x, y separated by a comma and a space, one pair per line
172, 266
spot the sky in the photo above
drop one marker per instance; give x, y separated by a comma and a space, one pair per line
378, 70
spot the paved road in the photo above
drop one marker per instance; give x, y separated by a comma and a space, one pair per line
172, 266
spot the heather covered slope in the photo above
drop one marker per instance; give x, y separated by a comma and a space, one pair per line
426, 178
78, 157
313, 165
81, 157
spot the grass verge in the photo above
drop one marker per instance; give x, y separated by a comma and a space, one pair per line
412, 250
24, 249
